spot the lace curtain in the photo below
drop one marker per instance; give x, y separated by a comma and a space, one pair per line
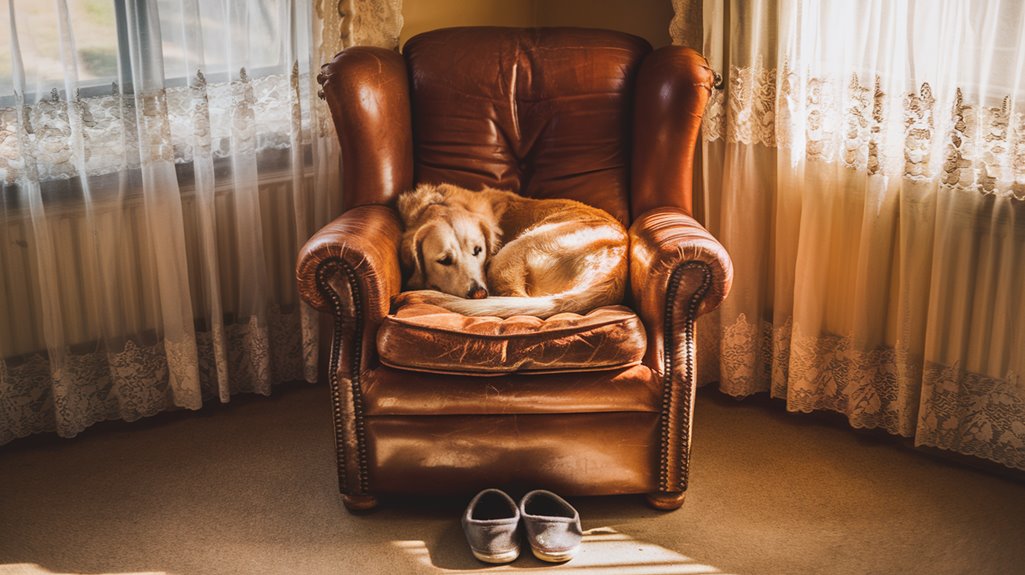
864, 164
162, 162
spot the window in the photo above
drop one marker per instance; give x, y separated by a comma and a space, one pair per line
96, 44
101, 36
94, 69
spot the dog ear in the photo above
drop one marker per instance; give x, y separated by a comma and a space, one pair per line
492, 236
497, 200
414, 203
412, 257
474, 202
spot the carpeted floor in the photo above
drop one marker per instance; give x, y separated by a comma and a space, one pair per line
250, 488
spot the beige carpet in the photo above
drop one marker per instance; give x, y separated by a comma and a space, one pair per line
250, 488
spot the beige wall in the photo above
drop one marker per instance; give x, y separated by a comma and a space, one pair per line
646, 18
422, 15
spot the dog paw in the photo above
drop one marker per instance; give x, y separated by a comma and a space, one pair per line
416, 297
401, 300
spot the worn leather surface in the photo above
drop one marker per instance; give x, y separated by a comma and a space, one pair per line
366, 89
661, 240
673, 86
388, 391
424, 337
367, 239
542, 112
570, 454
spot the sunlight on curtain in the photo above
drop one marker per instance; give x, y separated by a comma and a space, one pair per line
161, 164
865, 168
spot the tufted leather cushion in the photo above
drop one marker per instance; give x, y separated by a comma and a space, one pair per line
424, 337
542, 112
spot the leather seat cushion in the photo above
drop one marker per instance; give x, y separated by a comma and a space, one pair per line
388, 391
424, 337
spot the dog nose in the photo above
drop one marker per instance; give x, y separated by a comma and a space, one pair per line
477, 291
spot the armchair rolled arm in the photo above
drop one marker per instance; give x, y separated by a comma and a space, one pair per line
661, 241
350, 269
677, 272
365, 242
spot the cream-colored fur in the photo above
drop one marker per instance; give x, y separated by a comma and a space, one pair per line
558, 255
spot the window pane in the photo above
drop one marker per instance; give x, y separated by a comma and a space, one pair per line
95, 35
225, 36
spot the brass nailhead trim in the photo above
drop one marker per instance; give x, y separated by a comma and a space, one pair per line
668, 350
324, 271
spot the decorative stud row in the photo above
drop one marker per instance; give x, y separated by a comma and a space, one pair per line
683, 407
324, 271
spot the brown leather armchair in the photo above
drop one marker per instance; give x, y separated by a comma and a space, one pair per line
591, 115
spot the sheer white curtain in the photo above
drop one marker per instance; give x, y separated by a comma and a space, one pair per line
865, 167
162, 162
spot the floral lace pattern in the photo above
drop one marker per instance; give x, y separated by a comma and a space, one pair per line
137, 381
713, 123
373, 22
973, 414
750, 107
861, 126
36, 142
938, 405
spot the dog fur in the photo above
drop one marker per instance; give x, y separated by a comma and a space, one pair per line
557, 256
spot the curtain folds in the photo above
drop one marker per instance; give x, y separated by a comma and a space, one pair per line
162, 162
865, 167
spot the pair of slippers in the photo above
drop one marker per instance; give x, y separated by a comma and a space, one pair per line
492, 519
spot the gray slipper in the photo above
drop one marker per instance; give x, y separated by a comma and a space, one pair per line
553, 526
490, 523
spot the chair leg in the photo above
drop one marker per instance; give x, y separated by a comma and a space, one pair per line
666, 501
359, 503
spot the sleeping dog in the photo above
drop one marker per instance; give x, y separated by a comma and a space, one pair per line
557, 255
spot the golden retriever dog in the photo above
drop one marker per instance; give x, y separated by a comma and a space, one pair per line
496, 253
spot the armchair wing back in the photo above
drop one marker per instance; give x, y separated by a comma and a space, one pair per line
591, 115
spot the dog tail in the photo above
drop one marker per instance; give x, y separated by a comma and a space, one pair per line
539, 306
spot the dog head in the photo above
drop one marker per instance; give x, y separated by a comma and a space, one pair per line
450, 233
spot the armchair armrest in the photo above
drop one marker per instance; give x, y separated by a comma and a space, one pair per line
350, 269
364, 244
677, 272
667, 242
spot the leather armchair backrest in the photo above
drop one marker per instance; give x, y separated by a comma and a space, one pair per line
543, 112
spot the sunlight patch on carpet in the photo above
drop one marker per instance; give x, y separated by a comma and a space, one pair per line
604, 551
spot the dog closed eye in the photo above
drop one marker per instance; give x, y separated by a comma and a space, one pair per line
476, 251
446, 261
